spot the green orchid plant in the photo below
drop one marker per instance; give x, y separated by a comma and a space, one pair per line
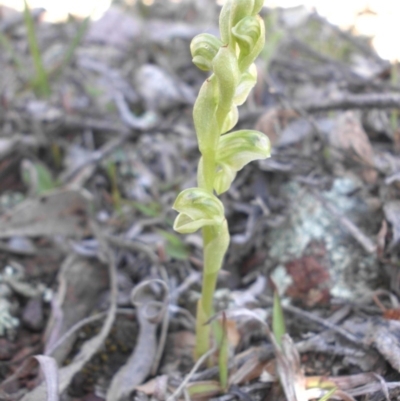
231, 61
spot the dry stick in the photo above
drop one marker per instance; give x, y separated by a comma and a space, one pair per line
94, 123
328, 324
242, 392
132, 245
350, 101
96, 156
344, 102
82, 323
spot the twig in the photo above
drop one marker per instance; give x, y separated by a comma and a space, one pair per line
95, 157
134, 246
82, 323
328, 324
357, 234
351, 101
344, 102
93, 123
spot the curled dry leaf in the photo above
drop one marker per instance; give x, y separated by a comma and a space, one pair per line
80, 283
156, 387
48, 365
385, 336
290, 372
89, 349
139, 365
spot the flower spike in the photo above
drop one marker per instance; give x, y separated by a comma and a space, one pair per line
233, 74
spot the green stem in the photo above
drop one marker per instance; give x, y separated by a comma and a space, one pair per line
205, 306
209, 169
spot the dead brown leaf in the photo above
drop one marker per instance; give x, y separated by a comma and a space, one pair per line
272, 122
392, 214
349, 135
58, 213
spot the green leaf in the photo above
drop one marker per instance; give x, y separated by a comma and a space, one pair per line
175, 248
37, 177
204, 389
223, 355
328, 395
151, 210
40, 82
278, 319
246, 84
215, 250
177, 252
230, 120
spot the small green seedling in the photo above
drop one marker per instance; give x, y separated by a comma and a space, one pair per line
40, 83
278, 319
230, 60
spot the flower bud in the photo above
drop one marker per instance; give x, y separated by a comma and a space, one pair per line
226, 70
234, 11
250, 36
203, 48
247, 31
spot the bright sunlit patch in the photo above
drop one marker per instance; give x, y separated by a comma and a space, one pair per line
377, 19
57, 11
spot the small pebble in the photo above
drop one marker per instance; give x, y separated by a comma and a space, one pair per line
32, 316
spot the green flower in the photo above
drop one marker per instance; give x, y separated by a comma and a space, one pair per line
235, 150
203, 48
197, 208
